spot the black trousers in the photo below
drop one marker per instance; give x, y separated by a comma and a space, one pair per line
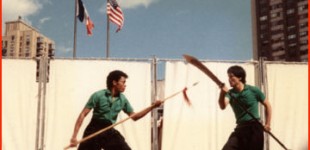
246, 136
108, 140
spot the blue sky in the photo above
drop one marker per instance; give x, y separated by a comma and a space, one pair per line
207, 29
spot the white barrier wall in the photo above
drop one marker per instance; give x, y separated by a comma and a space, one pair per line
19, 104
71, 82
288, 93
201, 126
204, 126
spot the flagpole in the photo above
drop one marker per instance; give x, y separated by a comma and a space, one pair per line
74, 37
108, 36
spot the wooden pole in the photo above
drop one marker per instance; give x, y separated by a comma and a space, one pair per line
74, 35
108, 36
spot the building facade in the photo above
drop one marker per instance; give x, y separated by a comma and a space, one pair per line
280, 30
24, 41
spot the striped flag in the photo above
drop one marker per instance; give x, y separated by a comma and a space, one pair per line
83, 16
115, 14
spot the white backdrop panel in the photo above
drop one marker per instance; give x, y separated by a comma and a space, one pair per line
19, 104
203, 126
71, 84
288, 93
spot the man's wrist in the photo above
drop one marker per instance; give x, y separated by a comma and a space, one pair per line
221, 85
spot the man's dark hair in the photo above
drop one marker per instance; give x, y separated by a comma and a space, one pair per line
237, 71
115, 76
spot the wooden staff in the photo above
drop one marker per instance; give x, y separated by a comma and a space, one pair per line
131, 116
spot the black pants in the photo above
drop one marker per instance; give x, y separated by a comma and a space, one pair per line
246, 136
108, 140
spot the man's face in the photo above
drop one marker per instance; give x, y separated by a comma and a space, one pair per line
233, 80
120, 85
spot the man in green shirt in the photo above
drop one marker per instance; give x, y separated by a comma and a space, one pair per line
248, 134
107, 104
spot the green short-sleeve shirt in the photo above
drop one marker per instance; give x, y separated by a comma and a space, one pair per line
105, 108
250, 96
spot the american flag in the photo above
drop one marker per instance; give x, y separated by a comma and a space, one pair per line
115, 14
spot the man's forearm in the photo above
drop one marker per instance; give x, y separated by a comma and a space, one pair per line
77, 126
137, 116
268, 115
221, 100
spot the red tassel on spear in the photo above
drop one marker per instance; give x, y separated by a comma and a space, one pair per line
188, 102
